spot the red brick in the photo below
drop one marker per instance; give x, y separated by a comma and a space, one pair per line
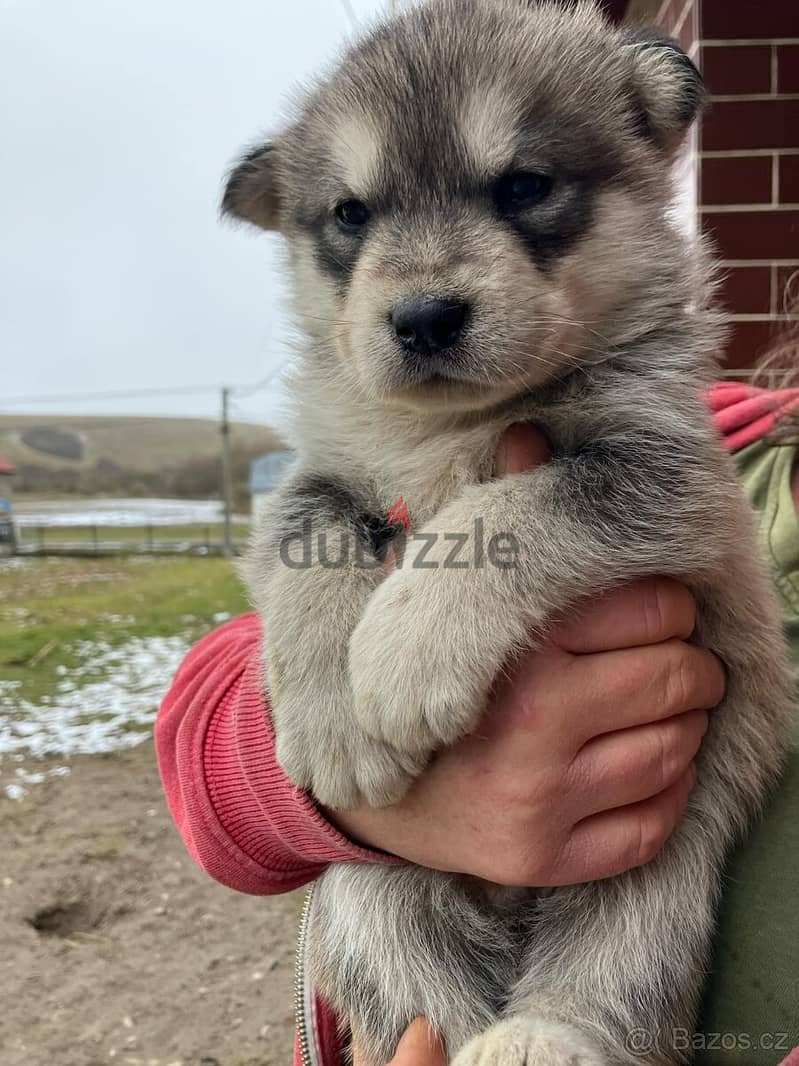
789, 180
757, 19
736, 180
788, 68
748, 342
745, 69
754, 234
788, 289
747, 290
615, 8
751, 124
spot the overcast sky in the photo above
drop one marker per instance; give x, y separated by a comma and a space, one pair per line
119, 118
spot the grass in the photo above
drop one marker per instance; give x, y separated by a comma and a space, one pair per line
48, 606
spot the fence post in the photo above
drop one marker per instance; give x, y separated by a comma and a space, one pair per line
94, 538
40, 537
150, 536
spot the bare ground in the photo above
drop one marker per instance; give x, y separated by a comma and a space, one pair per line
116, 948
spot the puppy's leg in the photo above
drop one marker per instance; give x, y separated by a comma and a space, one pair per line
393, 943
614, 968
310, 572
433, 637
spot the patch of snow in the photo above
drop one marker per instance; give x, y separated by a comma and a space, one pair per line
87, 715
13, 562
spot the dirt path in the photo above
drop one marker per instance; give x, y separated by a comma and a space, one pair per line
116, 949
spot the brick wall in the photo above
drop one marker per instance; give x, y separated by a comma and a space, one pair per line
749, 160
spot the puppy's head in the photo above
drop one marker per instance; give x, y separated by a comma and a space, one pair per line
474, 194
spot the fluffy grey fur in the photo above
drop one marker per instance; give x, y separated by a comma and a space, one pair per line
587, 314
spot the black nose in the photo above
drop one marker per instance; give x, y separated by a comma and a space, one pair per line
425, 325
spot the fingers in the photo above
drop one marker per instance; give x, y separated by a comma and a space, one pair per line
646, 612
624, 689
420, 1046
608, 844
522, 447
624, 768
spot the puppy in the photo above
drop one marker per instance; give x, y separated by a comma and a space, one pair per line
475, 207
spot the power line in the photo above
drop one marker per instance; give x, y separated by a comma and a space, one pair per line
111, 394
243, 391
133, 394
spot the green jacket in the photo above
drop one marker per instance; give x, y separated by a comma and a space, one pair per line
751, 1010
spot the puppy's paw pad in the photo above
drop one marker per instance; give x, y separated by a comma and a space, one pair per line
530, 1042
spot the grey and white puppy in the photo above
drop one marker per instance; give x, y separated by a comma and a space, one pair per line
475, 204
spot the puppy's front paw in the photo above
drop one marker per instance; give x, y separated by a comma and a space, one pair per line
416, 683
340, 765
526, 1041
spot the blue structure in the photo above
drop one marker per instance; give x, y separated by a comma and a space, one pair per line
266, 473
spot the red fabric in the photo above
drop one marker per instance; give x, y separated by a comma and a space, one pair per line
240, 817
744, 414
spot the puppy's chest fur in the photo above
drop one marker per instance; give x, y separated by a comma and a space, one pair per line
395, 456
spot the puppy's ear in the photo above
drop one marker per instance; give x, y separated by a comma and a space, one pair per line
251, 190
667, 87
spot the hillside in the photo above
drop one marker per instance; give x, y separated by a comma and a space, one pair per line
122, 454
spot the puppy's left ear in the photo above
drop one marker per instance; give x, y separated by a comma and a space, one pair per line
668, 89
251, 190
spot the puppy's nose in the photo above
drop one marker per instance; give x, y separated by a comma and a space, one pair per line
425, 325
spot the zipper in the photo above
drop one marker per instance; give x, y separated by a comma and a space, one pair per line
303, 995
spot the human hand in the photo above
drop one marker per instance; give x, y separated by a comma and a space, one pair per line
582, 765
419, 1046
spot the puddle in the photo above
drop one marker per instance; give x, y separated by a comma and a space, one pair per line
108, 701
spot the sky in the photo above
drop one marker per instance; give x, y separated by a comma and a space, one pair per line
119, 120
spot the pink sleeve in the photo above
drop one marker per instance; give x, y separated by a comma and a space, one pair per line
744, 413
240, 817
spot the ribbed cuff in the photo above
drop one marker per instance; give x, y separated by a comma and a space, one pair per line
274, 824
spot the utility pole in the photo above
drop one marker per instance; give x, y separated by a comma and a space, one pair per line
227, 475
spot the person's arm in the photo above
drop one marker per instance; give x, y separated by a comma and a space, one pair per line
240, 817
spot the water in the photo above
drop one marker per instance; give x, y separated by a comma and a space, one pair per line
117, 512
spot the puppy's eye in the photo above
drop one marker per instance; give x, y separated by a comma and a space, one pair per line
352, 214
521, 189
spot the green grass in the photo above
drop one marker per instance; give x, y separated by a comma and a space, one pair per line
49, 606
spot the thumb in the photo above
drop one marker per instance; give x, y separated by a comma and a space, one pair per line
420, 1046
522, 447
